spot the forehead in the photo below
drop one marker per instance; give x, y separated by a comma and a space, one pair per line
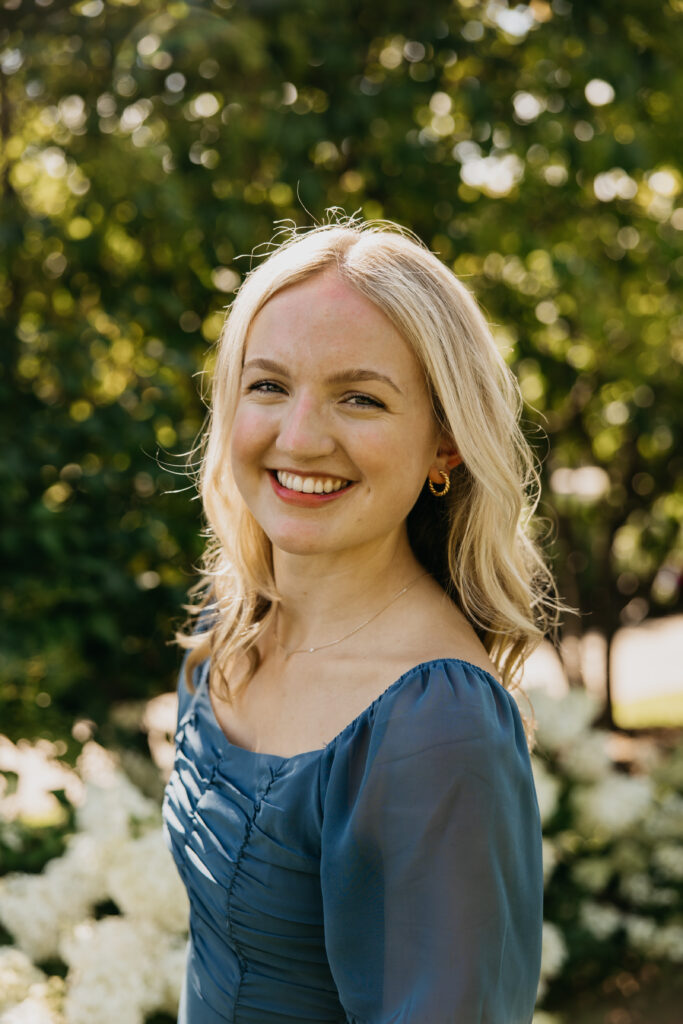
324, 319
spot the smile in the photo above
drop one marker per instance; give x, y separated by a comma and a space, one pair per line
308, 491
310, 484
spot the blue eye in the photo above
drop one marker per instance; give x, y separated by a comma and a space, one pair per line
365, 400
265, 386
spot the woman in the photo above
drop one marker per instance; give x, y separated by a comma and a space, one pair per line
352, 808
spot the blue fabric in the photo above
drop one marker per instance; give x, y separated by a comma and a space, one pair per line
392, 877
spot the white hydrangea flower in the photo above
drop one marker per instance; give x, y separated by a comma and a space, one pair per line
17, 974
553, 950
653, 939
547, 789
600, 920
81, 870
114, 976
107, 810
668, 859
550, 858
640, 931
36, 1008
592, 873
37, 909
144, 883
171, 966
666, 820
640, 889
35, 912
613, 805
668, 942
561, 721
587, 757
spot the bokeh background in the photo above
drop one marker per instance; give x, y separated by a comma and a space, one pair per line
146, 151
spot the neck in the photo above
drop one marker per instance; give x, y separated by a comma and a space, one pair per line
324, 596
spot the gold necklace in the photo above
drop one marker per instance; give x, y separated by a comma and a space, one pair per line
320, 647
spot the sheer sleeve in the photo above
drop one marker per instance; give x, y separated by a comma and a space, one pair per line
431, 867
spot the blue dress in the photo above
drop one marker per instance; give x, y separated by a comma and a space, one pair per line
392, 877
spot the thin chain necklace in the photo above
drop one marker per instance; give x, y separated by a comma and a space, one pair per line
320, 647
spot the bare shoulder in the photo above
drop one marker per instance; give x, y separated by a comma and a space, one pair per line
433, 628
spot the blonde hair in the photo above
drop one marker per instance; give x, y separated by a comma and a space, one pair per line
478, 542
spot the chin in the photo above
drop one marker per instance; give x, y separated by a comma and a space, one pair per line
301, 546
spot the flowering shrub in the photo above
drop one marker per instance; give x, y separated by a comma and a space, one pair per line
120, 967
110, 912
612, 853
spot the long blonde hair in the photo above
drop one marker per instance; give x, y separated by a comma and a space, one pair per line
480, 543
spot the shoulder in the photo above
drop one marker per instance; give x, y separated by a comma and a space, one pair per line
445, 713
446, 728
451, 701
431, 627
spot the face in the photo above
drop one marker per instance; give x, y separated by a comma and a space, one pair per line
334, 433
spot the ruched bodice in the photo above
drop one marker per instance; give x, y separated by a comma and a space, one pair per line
392, 877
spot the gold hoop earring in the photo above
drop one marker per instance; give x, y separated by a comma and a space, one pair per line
446, 485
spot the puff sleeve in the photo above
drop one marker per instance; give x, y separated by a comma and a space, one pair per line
431, 867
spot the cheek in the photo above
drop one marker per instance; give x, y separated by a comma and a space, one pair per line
249, 435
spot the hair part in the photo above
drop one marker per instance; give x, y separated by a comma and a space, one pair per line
479, 542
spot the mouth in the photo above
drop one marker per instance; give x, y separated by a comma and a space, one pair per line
310, 484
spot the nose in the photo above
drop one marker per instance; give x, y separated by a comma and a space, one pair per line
304, 433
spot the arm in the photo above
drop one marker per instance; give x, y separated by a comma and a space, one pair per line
431, 864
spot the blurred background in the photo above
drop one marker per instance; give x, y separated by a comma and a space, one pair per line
146, 150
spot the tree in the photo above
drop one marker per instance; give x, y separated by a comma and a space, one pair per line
145, 149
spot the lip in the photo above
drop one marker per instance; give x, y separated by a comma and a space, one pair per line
305, 500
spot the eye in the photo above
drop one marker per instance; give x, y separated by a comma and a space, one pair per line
364, 401
266, 387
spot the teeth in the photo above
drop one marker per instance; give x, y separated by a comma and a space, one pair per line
309, 484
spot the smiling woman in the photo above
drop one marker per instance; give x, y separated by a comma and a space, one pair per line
352, 808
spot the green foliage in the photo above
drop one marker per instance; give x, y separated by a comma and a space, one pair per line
27, 846
144, 149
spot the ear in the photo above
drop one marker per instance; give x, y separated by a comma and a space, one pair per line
447, 458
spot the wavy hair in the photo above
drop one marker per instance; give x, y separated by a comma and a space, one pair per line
480, 543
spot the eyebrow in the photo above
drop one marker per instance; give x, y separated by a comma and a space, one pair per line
342, 377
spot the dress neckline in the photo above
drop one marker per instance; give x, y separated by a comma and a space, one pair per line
203, 692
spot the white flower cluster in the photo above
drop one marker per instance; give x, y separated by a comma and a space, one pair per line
27, 996
612, 805
553, 955
36, 909
666, 820
587, 758
562, 722
144, 883
547, 789
550, 858
17, 975
36, 1008
653, 939
121, 968
615, 829
110, 805
600, 919
592, 873
641, 890
668, 859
